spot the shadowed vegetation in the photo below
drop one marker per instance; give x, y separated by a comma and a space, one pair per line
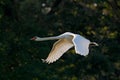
97, 20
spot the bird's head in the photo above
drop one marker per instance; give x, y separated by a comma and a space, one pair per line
35, 38
94, 44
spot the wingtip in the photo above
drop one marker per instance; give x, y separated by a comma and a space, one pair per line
45, 61
82, 54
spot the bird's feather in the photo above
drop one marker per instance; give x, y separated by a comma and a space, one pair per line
59, 48
81, 45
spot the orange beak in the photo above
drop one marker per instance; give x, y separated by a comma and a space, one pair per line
33, 38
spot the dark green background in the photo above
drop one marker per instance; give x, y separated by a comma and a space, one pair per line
20, 58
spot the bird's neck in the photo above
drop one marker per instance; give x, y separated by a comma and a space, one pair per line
48, 38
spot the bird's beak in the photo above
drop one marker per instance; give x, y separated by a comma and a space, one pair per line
33, 38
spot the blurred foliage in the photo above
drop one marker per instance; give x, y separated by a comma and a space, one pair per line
97, 20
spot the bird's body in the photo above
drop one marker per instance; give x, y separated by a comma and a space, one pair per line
66, 41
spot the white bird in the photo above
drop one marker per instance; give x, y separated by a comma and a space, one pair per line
66, 41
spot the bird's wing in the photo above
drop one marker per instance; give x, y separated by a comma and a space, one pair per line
81, 45
59, 48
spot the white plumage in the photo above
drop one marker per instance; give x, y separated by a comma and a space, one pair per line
66, 41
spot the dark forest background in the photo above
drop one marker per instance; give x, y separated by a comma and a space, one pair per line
97, 20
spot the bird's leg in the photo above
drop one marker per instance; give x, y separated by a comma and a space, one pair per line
94, 43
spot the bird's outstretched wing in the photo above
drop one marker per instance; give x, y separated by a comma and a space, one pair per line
81, 45
59, 48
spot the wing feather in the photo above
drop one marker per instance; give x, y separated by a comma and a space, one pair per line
81, 45
59, 48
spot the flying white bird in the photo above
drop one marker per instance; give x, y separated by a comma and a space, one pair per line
66, 41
